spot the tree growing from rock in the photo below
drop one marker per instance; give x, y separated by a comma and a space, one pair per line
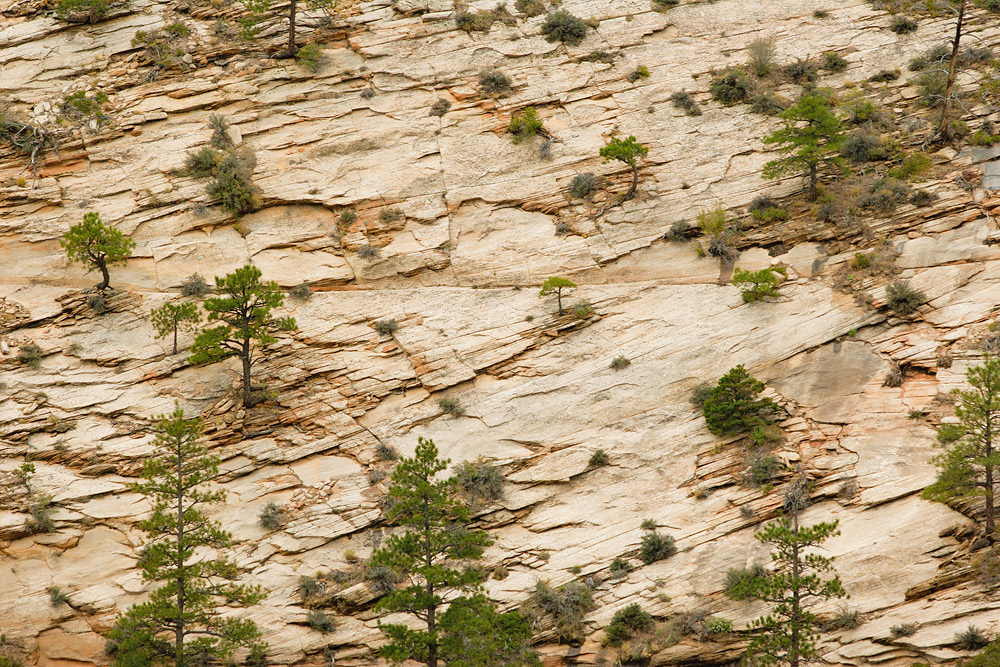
434, 552
787, 634
169, 317
967, 468
182, 624
97, 246
260, 13
244, 313
733, 406
812, 136
628, 151
556, 285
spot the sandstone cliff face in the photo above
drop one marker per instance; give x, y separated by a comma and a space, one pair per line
480, 217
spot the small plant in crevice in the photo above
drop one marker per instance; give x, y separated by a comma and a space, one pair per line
479, 482
302, 292
833, 62
640, 72
566, 606
720, 232
902, 25
731, 86
884, 76
656, 547
598, 459
30, 355
494, 82
57, 596
763, 53
450, 406
582, 185
525, 125
619, 568
762, 468
229, 170
759, 285
902, 299
384, 452
903, 630
310, 57
802, 71
272, 516
319, 620
82, 11
440, 107
563, 27
386, 327
368, 251
970, 639
767, 103
620, 362
194, 285
626, 623
684, 101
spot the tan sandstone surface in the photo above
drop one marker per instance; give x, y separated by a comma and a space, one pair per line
460, 273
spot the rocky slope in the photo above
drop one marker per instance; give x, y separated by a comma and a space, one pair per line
459, 272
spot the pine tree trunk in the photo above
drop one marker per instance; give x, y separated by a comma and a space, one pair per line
635, 182
432, 646
105, 277
245, 358
292, 9
952, 70
559, 299
179, 659
175, 337
990, 520
813, 177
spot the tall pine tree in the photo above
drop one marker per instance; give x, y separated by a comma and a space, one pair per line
787, 634
812, 136
182, 623
968, 465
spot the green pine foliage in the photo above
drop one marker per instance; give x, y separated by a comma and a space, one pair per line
245, 322
812, 137
169, 317
787, 634
990, 655
432, 551
525, 125
556, 285
82, 11
183, 619
475, 634
733, 408
627, 622
97, 246
759, 285
627, 151
968, 464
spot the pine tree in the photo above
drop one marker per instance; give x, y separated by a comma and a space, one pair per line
733, 408
787, 635
245, 316
433, 552
968, 466
260, 12
812, 135
556, 285
182, 624
475, 634
628, 151
171, 316
97, 246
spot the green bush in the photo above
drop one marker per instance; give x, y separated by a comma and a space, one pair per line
567, 606
30, 355
232, 186
931, 86
384, 452
640, 72
272, 516
834, 62
627, 622
801, 71
367, 251
451, 407
619, 568
971, 639
194, 285
440, 107
914, 165
737, 578
884, 195
846, 619
733, 407
989, 5
763, 54
762, 468
922, 198
685, 102
530, 8
598, 459
717, 626
494, 82
767, 103
564, 27
759, 284
387, 327
57, 596
715, 225
860, 146
902, 630
525, 125
902, 299
884, 76
731, 86
582, 185
620, 362
318, 620
656, 547
902, 25
203, 162
310, 57
771, 214
479, 481
82, 11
